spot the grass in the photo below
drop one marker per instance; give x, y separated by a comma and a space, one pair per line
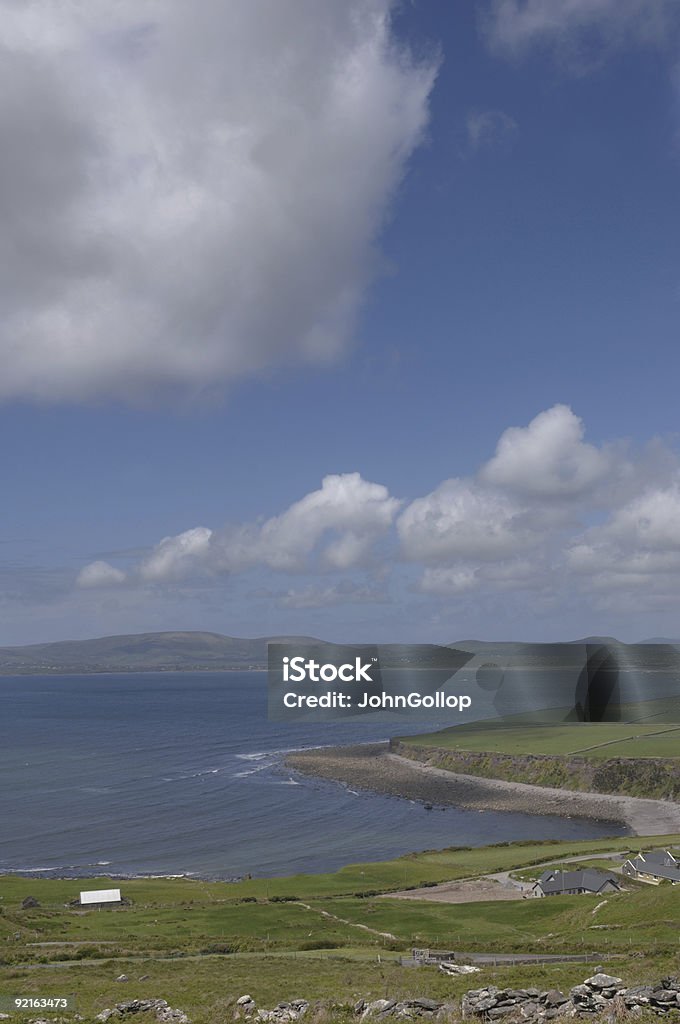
633, 920
207, 990
592, 740
202, 946
381, 876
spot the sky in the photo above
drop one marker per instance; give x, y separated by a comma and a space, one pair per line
347, 318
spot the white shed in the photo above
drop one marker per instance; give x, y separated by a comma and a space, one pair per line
100, 897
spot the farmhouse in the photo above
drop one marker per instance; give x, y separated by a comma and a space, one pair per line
101, 898
574, 883
653, 867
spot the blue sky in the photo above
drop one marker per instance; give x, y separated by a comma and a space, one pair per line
427, 253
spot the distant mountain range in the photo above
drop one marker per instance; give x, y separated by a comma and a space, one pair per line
140, 652
178, 652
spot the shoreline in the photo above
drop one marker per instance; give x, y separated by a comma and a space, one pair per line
372, 767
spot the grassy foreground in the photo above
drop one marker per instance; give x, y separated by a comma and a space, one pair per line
330, 936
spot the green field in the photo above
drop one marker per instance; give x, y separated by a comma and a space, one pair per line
586, 739
319, 936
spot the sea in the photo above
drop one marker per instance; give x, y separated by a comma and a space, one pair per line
182, 774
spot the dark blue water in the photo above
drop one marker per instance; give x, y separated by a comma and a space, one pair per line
182, 773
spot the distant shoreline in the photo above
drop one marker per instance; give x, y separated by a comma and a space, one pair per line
373, 767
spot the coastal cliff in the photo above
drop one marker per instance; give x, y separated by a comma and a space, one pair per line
644, 777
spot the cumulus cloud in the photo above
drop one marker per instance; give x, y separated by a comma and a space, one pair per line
638, 546
461, 520
581, 30
338, 523
176, 557
193, 192
548, 458
99, 574
332, 528
549, 513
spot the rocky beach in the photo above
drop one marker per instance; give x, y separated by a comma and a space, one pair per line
373, 767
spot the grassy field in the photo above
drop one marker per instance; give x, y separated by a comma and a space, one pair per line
587, 739
201, 945
638, 919
207, 989
412, 870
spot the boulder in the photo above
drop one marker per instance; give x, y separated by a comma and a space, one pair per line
603, 981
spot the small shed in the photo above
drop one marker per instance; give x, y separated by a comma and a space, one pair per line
101, 898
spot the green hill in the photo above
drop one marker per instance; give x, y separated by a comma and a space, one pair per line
140, 652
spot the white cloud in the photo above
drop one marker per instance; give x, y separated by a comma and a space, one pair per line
548, 458
582, 30
179, 556
192, 192
448, 581
524, 524
99, 574
460, 520
334, 527
337, 523
638, 546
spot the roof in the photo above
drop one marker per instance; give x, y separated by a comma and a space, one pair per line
100, 896
592, 881
658, 862
660, 857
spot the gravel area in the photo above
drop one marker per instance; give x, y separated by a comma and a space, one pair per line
372, 766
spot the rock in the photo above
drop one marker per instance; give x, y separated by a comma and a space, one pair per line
638, 996
603, 981
164, 1013
28, 902
554, 998
449, 968
663, 995
243, 1000
122, 977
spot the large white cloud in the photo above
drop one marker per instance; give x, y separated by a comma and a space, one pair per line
548, 458
192, 192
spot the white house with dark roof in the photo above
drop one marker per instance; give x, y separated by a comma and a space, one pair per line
575, 883
653, 867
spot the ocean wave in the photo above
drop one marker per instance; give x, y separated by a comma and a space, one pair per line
250, 771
